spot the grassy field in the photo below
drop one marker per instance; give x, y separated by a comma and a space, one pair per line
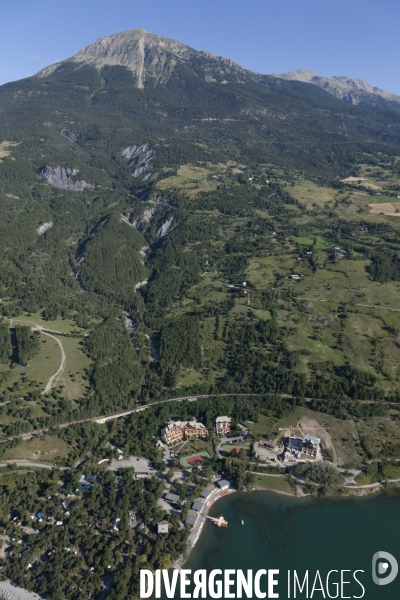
277, 484
364, 479
6, 148
41, 367
47, 362
71, 383
192, 180
75, 366
196, 446
390, 472
381, 199
47, 449
59, 324
321, 243
310, 193
377, 433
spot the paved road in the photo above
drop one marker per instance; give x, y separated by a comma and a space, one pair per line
166, 451
125, 413
371, 485
26, 463
269, 474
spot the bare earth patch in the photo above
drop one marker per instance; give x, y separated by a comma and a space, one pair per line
361, 181
386, 208
307, 425
353, 179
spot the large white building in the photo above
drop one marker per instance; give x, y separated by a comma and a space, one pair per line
222, 425
296, 447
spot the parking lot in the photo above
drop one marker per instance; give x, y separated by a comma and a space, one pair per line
140, 464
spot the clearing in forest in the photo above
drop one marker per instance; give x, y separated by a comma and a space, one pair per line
44, 449
6, 148
386, 208
192, 180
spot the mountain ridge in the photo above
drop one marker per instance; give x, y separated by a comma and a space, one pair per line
153, 59
350, 89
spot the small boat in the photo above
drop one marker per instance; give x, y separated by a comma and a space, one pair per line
242, 522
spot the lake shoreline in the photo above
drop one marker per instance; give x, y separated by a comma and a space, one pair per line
195, 534
270, 531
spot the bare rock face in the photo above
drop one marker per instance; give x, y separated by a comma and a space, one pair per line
70, 136
142, 222
165, 227
140, 157
150, 57
61, 177
45, 227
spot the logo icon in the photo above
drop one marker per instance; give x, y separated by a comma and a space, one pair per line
380, 565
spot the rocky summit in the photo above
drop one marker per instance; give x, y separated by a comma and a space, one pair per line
150, 57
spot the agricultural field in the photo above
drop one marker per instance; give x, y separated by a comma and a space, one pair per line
190, 179
310, 194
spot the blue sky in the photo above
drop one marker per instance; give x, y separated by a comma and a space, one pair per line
358, 38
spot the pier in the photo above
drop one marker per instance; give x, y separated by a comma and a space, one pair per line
219, 522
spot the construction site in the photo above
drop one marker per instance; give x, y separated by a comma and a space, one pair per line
294, 444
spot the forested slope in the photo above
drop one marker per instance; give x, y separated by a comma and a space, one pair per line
157, 261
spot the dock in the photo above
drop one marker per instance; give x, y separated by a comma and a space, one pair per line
219, 522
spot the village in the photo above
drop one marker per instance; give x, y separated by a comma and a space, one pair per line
191, 476
293, 445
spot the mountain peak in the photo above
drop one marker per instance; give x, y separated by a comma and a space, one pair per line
147, 55
304, 75
138, 50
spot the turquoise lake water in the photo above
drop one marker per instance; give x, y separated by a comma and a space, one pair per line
287, 533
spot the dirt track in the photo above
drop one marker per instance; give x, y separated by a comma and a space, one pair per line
54, 378
57, 374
